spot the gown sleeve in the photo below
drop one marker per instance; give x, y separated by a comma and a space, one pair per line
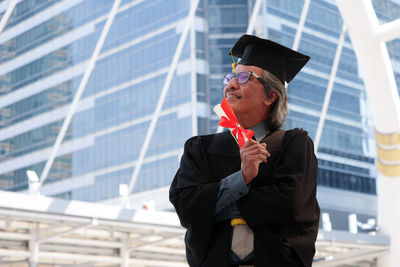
289, 196
193, 193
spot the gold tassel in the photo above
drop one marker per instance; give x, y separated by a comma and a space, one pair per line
234, 64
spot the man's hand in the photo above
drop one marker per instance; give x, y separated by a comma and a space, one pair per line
252, 154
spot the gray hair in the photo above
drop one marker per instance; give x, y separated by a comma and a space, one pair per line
279, 109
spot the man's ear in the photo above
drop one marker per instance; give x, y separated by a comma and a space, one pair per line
271, 97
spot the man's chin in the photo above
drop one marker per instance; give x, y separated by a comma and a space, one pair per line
235, 105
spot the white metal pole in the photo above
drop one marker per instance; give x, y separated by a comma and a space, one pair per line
389, 31
300, 27
328, 93
253, 18
163, 95
34, 246
193, 80
77, 97
124, 251
7, 14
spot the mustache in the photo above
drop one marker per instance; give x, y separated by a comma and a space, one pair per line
227, 91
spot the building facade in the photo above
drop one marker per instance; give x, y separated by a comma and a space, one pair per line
45, 49
44, 52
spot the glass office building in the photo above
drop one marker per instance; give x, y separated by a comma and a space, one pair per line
45, 49
44, 52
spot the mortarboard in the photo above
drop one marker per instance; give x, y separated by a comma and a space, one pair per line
281, 61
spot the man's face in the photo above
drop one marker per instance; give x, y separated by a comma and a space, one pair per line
248, 100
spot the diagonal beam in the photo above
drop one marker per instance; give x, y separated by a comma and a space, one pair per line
7, 15
73, 229
328, 93
78, 95
253, 18
300, 27
389, 31
162, 97
193, 81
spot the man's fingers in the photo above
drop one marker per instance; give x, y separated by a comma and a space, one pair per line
255, 149
249, 143
256, 152
255, 159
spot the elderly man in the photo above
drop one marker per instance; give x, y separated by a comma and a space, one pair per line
253, 206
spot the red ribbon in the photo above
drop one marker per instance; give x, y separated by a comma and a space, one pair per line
232, 122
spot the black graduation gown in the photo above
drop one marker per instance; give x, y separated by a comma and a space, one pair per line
280, 207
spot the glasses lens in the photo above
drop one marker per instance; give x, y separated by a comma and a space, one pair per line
228, 77
243, 77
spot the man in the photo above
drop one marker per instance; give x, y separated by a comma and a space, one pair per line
255, 206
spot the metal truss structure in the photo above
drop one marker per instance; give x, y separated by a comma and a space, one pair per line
344, 249
41, 231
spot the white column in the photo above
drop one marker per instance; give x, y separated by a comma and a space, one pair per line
124, 251
389, 218
33, 181
33, 245
353, 223
367, 36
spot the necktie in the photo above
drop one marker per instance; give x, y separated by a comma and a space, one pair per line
242, 240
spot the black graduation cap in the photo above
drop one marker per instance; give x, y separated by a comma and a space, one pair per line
281, 61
